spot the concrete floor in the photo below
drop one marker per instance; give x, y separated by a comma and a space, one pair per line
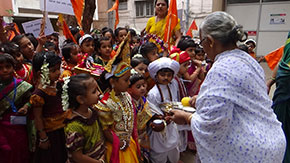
188, 156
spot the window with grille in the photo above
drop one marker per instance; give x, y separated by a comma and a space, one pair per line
123, 5
144, 8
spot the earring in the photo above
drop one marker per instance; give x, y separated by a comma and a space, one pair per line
113, 93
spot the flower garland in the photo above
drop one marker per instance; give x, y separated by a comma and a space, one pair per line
155, 39
64, 95
44, 76
66, 67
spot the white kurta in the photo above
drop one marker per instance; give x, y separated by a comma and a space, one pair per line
234, 121
158, 141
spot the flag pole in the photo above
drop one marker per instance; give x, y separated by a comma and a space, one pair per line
168, 32
43, 22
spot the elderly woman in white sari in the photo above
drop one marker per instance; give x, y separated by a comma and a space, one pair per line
233, 121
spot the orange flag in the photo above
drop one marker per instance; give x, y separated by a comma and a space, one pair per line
171, 21
78, 7
66, 32
274, 57
192, 27
116, 8
11, 34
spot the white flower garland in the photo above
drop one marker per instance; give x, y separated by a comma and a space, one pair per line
44, 76
64, 95
133, 72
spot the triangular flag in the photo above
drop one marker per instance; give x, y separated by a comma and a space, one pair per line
274, 57
11, 34
192, 27
78, 7
171, 21
66, 32
116, 8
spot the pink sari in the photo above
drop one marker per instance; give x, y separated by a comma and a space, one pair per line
13, 138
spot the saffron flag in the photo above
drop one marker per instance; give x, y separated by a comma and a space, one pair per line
192, 27
171, 21
274, 57
11, 33
78, 7
116, 8
285, 62
66, 32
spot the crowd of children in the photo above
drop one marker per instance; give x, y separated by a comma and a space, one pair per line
52, 113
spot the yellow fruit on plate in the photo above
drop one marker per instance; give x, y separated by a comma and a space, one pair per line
185, 101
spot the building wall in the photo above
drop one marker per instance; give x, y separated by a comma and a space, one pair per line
257, 20
198, 10
102, 14
28, 4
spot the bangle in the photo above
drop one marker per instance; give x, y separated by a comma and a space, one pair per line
124, 145
43, 140
188, 120
102, 161
28, 104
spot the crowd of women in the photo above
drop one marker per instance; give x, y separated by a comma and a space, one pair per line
111, 98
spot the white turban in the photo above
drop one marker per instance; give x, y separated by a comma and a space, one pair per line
161, 63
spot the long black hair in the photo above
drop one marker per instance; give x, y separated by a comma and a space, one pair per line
186, 42
76, 87
7, 58
66, 50
147, 48
51, 58
135, 77
166, 1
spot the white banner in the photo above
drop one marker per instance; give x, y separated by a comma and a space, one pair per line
34, 27
57, 6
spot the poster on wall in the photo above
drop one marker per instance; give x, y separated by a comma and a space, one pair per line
278, 18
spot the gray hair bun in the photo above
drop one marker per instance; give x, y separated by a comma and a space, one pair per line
223, 27
238, 34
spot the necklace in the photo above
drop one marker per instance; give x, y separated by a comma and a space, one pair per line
127, 113
84, 117
161, 94
139, 104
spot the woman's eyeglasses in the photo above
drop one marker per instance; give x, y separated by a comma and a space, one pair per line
202, 41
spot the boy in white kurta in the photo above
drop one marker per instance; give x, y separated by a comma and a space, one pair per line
164, 144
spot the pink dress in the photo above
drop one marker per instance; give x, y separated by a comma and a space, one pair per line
192, 87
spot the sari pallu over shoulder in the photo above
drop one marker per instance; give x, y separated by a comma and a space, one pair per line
22, 88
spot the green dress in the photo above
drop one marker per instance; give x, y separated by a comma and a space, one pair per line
85, 135
281, 99
100, 61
